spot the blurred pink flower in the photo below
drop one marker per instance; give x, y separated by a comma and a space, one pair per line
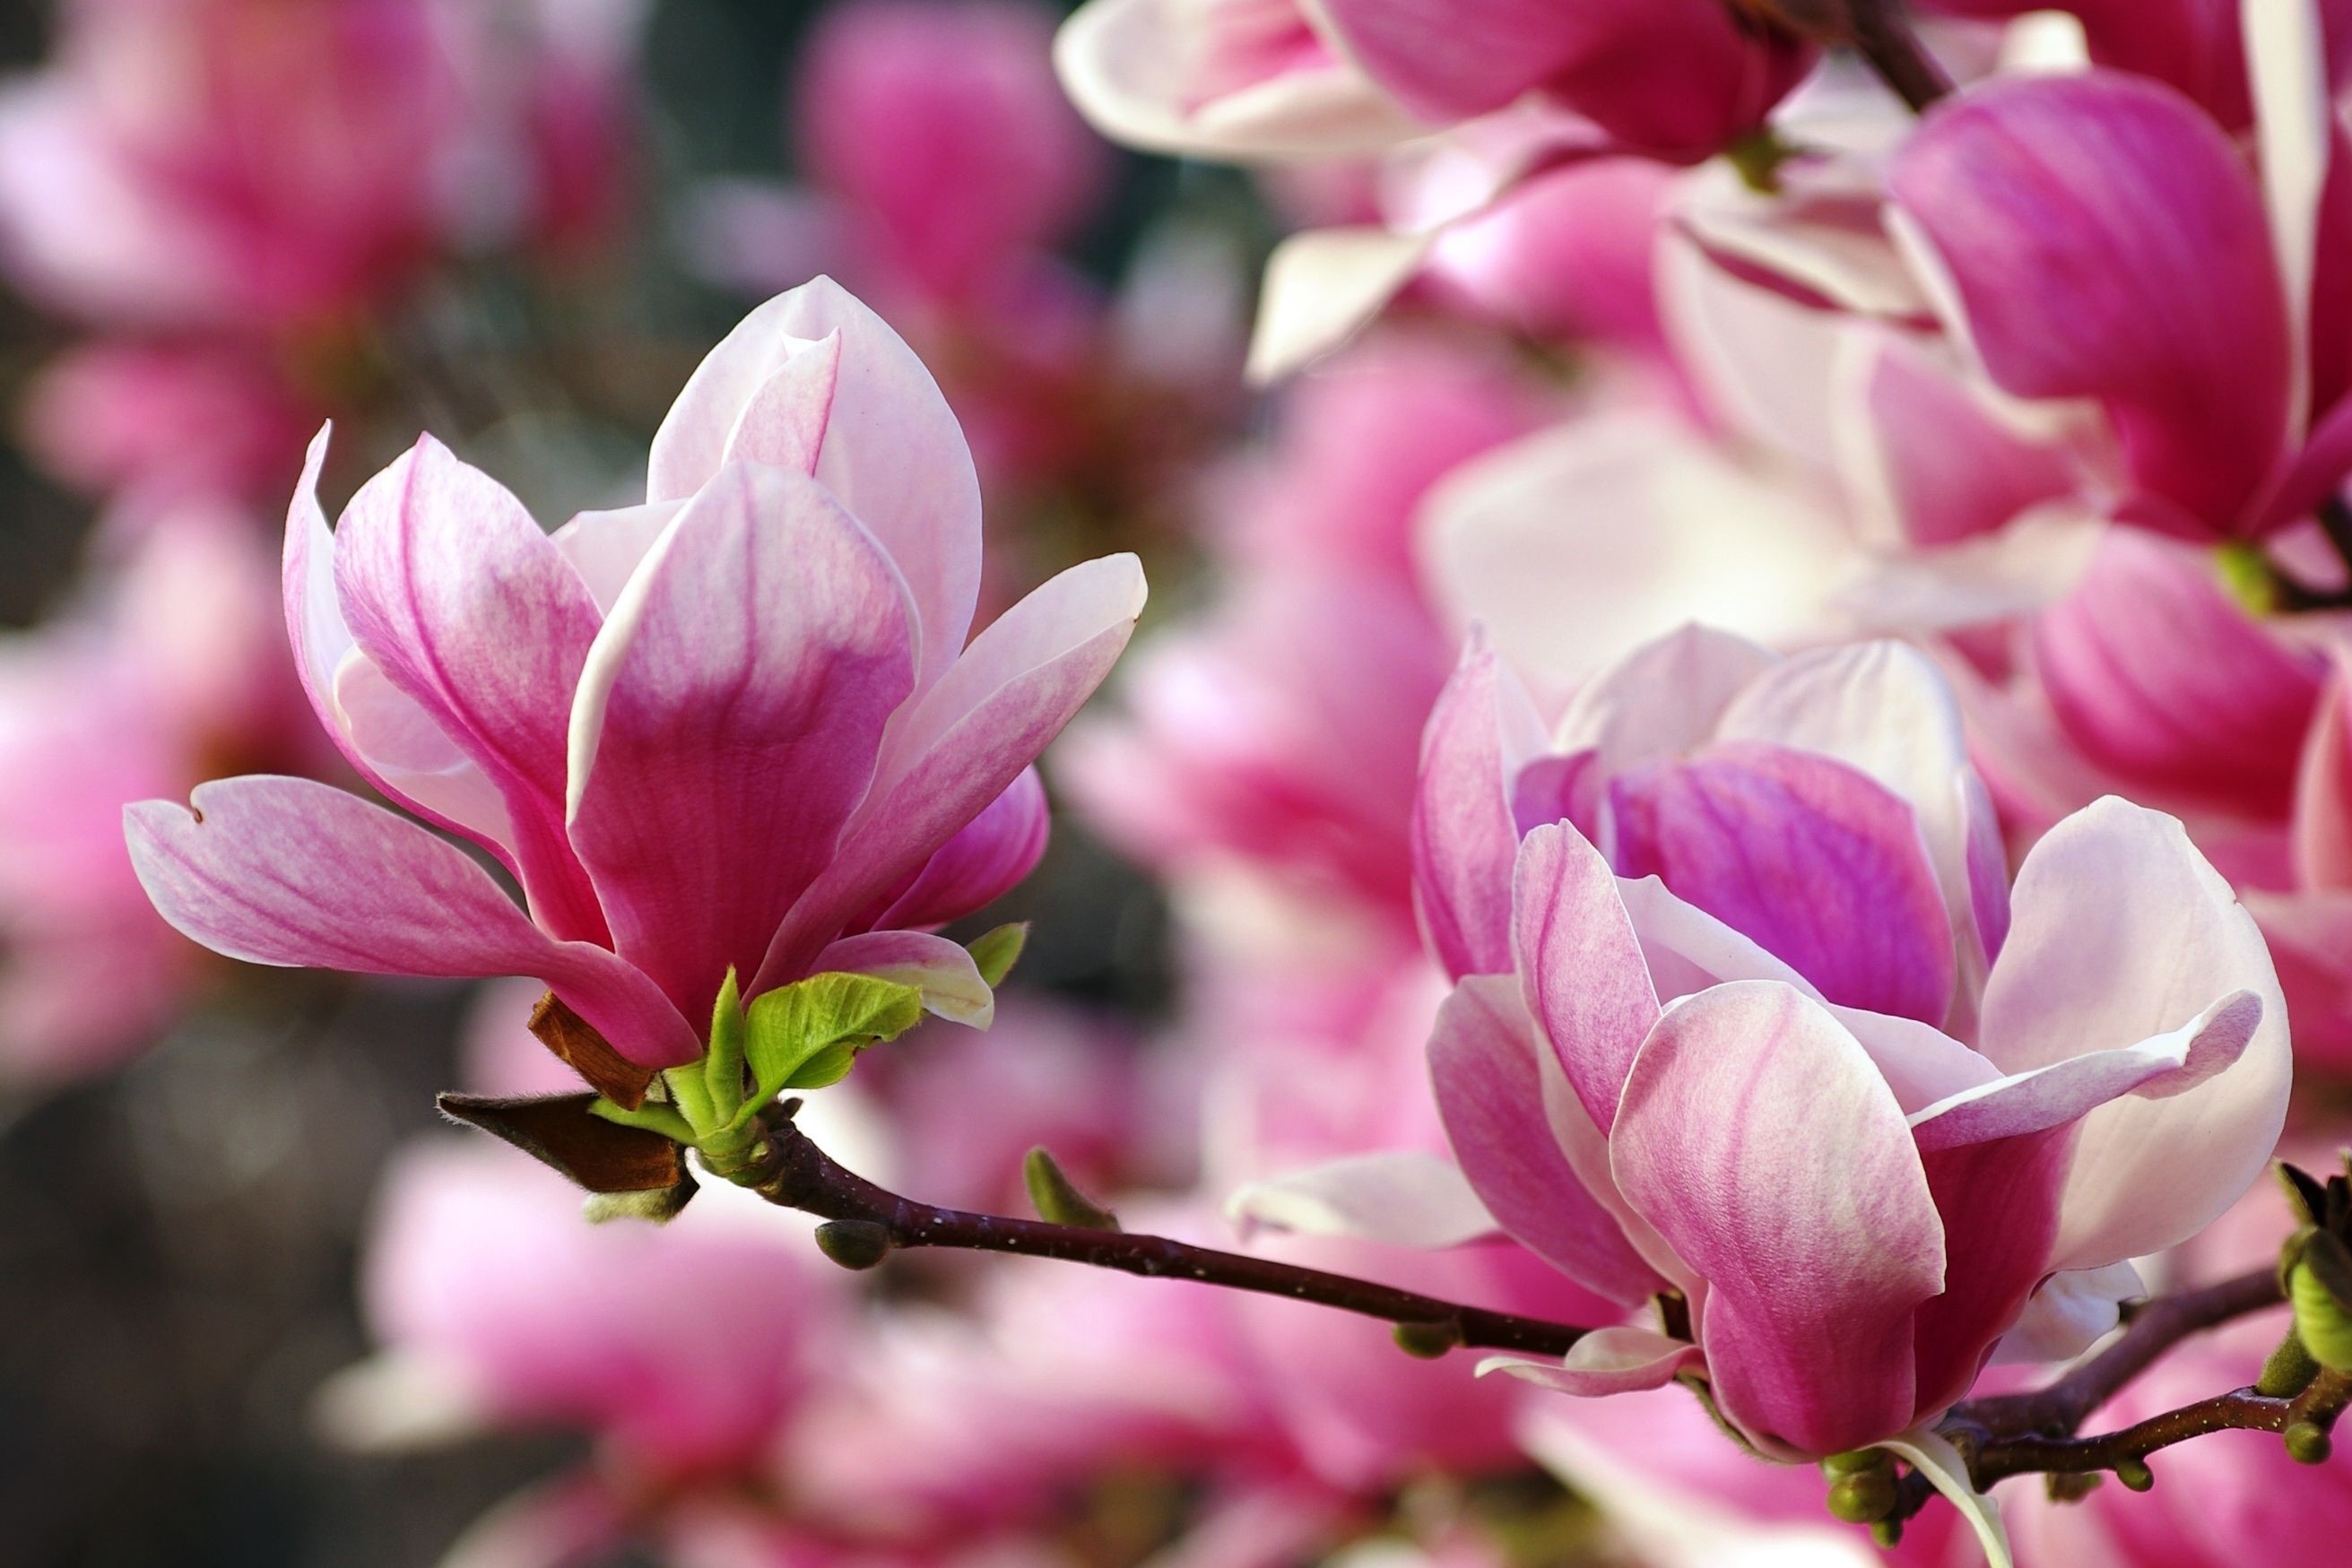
735, 727
939, 131
201, 417
169, 668
244, 165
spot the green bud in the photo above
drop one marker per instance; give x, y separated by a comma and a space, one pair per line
853, 1243
1428, 1341
2135, 1475
2319, 1285
2289, 1370
1864, 1497
994, 953
2246, 576
1056, 1198
2307, 1443
1887, 1533
2072, 1486
1854, 1460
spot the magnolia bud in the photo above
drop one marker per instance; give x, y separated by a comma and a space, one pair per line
853, 1243
1864, 1497
1428, 1341
2319, 1284
2135, 1475
2307, 1443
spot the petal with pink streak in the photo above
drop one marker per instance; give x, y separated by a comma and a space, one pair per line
1935, 1457
2104, 240
1484, 1065
300, 874
983, 862
1620, 1359
965, 742
1465, 837
2162, 679
890, 451
453, 592
728, 723
1759, 1137
1811, 857
942, 971
1580, 964
361, 711
1664, 698
2122, 933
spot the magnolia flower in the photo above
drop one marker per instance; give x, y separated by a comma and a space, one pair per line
735, 728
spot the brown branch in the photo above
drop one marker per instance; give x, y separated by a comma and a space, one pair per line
2060, 1409
1877, 31
796, 1174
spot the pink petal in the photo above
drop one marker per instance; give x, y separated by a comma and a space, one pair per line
2159, 676
297, 873
987, 859
453, 591
373, 715
966, 740
1465, 837
2122, 933
2323, 793
728, 720
1817, 863
1621, 1360
2104, 240
1490, 1092
942, 971
1402, 1198
606, 548
1761, 1140
890, 451
1580, 964
1934, 457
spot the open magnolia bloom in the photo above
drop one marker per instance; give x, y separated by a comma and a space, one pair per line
1748, 1013
736, 729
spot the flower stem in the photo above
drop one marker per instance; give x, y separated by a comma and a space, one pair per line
798, 1174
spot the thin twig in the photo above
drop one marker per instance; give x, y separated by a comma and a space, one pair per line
796, 1174
2060, 1409
1880, 35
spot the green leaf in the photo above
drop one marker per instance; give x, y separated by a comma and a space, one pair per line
805, 1036
723, 1068
994, 953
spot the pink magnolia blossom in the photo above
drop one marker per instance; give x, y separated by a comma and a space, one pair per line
1858, 1205
735, 727
156, 419
168, 666
2213, 341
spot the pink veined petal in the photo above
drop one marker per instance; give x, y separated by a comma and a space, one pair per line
1761, 1140
966, 741
1579, 966
890, 451
2106, 240
453, 592
1490, 1094
1663, 699
1815, 861
989, 857
300, 874
728, 723
2122, 932
942, 971
1620, 1359
2162, 679
785, 421
1464, 834
327, 661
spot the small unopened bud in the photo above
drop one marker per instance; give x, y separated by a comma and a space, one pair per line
1428, 1341
853, 1243
2072, 1486
1864, 1497
2307, 1443
1857, 1460
2135, 1475
2319, 1284
1887, 1533
1056, 1198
